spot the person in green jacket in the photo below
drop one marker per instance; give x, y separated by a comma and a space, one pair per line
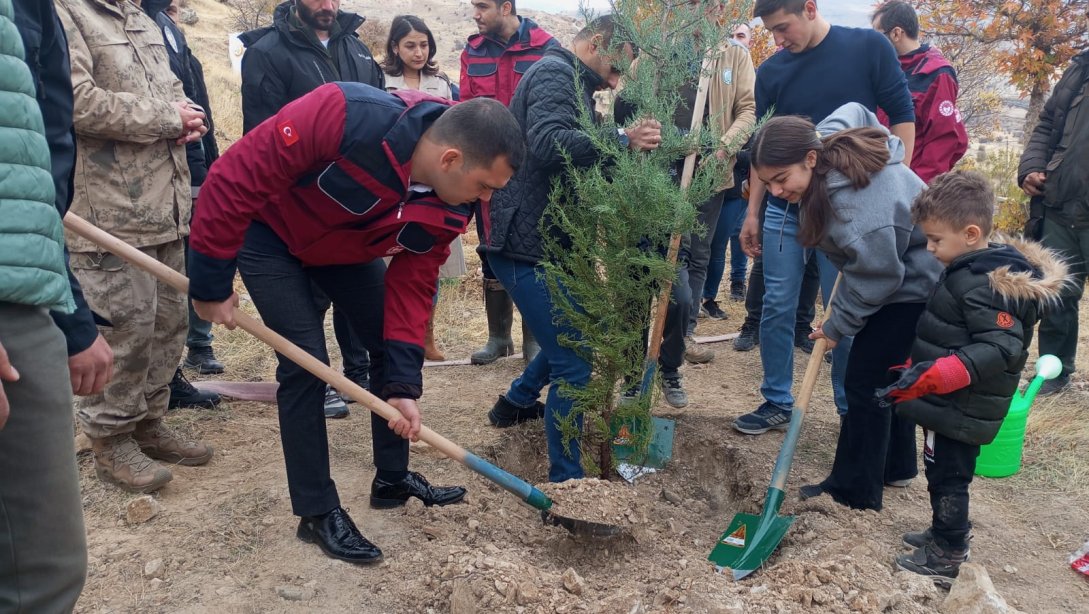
43, 544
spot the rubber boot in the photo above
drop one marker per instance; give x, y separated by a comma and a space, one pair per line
500, 310
431, 351
530, 347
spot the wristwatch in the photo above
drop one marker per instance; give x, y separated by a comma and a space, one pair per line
624, 140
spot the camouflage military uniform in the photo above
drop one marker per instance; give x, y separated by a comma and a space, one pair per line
131, 180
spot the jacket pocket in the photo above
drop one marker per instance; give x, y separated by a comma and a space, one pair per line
484, 78
340, 187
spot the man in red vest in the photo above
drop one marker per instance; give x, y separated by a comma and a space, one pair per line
316, 196
492, 64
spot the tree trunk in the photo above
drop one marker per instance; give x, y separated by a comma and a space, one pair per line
1037, 98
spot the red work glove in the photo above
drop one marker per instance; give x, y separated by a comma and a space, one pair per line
941, 376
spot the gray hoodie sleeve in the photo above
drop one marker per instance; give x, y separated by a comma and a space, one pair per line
872, 272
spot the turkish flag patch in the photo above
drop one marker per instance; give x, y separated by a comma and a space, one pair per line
288, 134
1004, 320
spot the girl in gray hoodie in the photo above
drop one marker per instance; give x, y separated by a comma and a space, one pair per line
855, 195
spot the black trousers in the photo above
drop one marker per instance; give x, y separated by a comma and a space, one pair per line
281, 289
875, 445
949, 465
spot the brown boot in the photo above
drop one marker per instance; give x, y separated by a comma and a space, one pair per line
161, 443
431, 351
118, 460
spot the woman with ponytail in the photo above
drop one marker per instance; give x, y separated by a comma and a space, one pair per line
855, 196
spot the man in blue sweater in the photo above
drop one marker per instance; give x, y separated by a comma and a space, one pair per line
819, 68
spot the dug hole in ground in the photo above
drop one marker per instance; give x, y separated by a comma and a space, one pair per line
222, 537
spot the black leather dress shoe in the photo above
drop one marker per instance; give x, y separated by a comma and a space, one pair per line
385, 495
336, 535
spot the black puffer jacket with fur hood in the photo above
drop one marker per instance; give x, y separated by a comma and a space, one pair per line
983, 310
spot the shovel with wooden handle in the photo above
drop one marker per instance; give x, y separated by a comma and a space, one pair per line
509, 482
750, 540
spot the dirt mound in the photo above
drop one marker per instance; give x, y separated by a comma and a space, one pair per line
505, 561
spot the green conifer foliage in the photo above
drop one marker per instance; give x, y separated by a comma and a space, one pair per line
608, 227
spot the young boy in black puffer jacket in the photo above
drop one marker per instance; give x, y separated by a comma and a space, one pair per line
970, 347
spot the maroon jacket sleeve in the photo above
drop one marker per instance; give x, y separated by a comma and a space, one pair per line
942, 140
411, 281
255, 171
465, 84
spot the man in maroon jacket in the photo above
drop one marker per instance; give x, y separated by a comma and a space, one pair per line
940, 137
492, 64
318, 195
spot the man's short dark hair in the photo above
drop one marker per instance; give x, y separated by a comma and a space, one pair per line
897, 14
499, 4
763, 8
609, 30
959, 199
483, 129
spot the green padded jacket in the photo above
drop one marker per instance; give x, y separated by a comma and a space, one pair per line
32, 268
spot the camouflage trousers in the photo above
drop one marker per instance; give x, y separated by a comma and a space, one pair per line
149, 322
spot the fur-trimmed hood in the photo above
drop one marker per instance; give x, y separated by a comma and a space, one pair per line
1042, 281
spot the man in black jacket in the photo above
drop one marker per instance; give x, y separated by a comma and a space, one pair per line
1054, 171
547, 105
199, 154
310, 43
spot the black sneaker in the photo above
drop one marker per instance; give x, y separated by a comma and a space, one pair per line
1054, 386
767, 417
386, 495
674, 392
365, 384
931, 561
505, 414
803, 342
203, 361
713, 310
335, 407
748, 339
184, 394
737, 291
922, 538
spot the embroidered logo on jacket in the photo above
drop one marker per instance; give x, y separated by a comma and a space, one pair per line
1004, 320
288, 134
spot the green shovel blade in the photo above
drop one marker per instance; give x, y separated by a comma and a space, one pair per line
748, 543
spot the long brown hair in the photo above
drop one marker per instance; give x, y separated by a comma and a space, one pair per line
858, 153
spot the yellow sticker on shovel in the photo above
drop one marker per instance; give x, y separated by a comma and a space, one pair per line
737, 538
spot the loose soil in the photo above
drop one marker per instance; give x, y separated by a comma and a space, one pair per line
225, 538
226, 532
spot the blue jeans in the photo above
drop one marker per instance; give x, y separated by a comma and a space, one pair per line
554, 364
784, 267
726, 231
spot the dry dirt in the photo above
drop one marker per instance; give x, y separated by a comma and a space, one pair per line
224, 538
225, 535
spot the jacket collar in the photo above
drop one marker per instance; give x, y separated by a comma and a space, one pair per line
1019, 270
591, 81
421, 110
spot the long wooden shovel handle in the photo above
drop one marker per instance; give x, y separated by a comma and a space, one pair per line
297, 355
662, 306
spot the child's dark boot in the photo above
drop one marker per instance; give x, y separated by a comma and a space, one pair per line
942, 566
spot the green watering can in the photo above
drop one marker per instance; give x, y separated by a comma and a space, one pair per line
1002, 457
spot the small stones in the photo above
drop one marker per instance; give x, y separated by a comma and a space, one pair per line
295, 593
573, 582
154, 569
142, 509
